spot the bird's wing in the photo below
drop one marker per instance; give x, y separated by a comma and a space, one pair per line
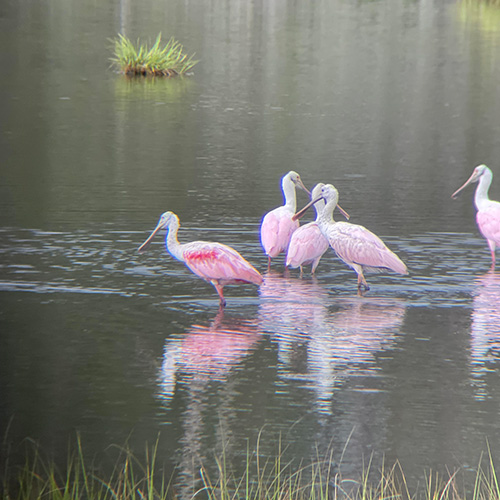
306, 244
276, 230
215, 261
488, 221
356, 244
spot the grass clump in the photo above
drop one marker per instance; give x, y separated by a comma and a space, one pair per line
157, 60
274, 478
40, 478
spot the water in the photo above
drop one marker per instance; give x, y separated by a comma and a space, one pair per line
394, 103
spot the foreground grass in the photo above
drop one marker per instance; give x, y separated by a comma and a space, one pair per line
157, 60
130, 479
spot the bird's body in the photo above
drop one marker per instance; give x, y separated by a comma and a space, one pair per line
215, 262
358, 247
307, 244
488, 211
277, 225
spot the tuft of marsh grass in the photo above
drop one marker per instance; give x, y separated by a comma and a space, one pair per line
40, 479
274, 478
157, 60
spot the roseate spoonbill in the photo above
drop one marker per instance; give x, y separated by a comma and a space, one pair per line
307, 244
216, 263
488, 211
277, 225
358, 247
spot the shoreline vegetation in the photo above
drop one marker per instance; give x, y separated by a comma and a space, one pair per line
157, 60
132, 478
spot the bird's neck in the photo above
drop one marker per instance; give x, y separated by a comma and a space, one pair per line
319, 207
483, 186
288, 188
171, 241
325, 215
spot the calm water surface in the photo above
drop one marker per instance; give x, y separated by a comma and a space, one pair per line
393, 102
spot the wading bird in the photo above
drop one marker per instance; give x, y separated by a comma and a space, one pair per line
277, 225
358, 247
307, 244
216, 263
488, 211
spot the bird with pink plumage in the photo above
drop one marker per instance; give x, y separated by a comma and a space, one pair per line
214, 262
488, 211
307, 244
358, 247
277, 225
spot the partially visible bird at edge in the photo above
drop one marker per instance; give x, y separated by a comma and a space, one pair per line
488, 211
358, 247
277, 225
216, 263
307, 244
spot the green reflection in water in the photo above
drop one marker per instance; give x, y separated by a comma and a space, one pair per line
486, 13
166, 90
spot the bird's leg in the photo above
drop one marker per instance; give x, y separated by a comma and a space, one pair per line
268, 263
219, 289
492, 245
315, 265
362, 284
301, 271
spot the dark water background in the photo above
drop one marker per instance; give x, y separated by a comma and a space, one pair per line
393, 102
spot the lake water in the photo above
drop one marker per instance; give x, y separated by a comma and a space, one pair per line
393, 102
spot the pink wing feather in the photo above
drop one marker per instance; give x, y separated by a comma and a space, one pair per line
306, 244
276, 230
215, 261
357, 245
488, 221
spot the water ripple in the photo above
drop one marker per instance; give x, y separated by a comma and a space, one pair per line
443, 266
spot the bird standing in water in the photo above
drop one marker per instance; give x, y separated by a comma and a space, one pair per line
216, 263
358, 247
488, 211
277, 225
307, 244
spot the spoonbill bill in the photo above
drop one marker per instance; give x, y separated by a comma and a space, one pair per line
277, 225
488, 211
307, 244
216, 263
358, 247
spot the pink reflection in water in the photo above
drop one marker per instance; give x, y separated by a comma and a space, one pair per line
291, 304
202, 355
360, 329
206, 352
340, 336
485, 328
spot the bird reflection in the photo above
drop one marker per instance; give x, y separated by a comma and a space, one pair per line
291, 304
325, 340
320, 341
206, 352
359, 329
485, 328
201, 360
290, 308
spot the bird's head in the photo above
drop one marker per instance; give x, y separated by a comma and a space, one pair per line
295, 178
316, 191
478, 172
165, 220
329, 194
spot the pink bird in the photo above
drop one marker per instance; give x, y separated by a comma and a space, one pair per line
358, 247
488, 211
307, 244
216, 263
277, 225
